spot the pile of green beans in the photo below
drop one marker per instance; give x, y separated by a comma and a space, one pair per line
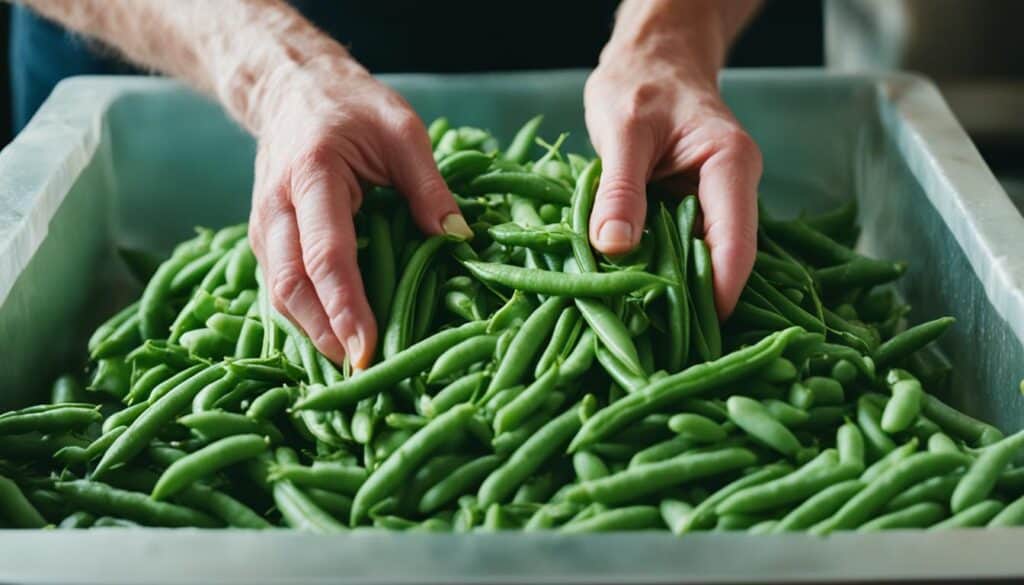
523, 382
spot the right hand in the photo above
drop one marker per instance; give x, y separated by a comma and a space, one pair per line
325, 129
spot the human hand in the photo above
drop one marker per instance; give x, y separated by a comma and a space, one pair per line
326, 129
654, 117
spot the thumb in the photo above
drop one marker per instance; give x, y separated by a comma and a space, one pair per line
415, 175
616, 223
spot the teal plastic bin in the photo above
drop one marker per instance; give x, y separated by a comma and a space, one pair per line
138, 162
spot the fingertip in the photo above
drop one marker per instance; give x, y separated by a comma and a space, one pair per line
614, 236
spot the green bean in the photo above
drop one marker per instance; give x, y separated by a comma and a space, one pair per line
220, 505
152, 322
611, 332
108, 328
819, 506
65, 418
112, 376
553, 238
566, 331
66, 389
756, 317
383, 375
812, 477
512, 414
461, 480
79, 519
697, 428
677, 304
911, 340
858, 272
213, 425
78, 455
1011, 515
208, 460
528, 457
868, 418
529, 185
271, 403
787, 414
298, 509
100, 498
582, 204
588, 466
979, 514
952, 420
519, 149
459, 391
871, 499
642, 480
850, 445
916, 516
670, 389
983, 473
387, 478
144, 428
627, 518
462, 355
826, 390
524, 346
16, 508
547, 282
619, 372
844, 372
754, 419
398, 331
702, 292
704, 513
661, 451
936, 489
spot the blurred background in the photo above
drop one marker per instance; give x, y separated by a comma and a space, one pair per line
970, 48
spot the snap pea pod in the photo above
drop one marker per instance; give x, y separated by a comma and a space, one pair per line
629, 381
869, 420
552, 238
697, 428
905, 405
271, 403
383, 375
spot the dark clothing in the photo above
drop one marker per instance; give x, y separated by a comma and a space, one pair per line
388, 36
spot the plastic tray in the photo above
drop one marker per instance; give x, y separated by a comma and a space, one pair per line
133, 161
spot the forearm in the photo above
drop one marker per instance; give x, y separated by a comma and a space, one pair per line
695, 35
235, 51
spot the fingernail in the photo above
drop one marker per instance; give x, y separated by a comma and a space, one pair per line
615, 232
354, 348
455, 225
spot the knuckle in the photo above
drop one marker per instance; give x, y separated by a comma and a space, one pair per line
289, 283
407, 127
341, 321
640, 101
322, 257
313, 159
618, 191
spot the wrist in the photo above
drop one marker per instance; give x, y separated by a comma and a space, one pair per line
271, 61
